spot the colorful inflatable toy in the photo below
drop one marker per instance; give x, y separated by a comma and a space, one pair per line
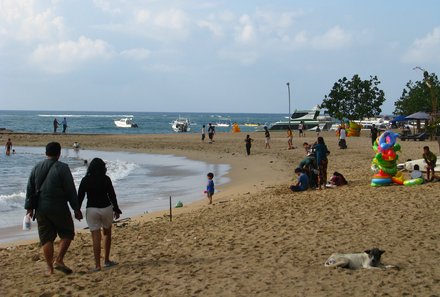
384, 164
354, 129
413, 182
235, 128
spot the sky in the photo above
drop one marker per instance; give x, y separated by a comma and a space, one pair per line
208, 56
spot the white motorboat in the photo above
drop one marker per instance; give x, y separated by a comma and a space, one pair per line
310, 118
125, 123
181, 125
222, 124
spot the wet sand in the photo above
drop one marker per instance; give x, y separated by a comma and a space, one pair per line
258, 238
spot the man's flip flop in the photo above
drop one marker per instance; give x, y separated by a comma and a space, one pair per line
110, 264
63, 268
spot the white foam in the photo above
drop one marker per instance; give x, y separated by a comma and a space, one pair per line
11, 202
87, 115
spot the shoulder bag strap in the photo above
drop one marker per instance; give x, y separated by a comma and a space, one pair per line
44, 179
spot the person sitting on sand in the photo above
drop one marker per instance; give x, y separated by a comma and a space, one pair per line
337, 180
302, 183
416, 173
101, 208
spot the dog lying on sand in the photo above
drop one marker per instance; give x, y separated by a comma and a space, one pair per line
369, 259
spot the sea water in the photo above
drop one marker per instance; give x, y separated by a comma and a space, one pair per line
143, 182
148, 122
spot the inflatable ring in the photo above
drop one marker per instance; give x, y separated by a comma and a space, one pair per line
390, 171
397, 180
384, 163
381, 175
382, 181
378, 185
413, 182
387, 140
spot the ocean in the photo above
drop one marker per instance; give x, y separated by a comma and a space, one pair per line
143, 182
103, 122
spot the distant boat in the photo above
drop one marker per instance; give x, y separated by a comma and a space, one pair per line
310, 118
252, 124
222, 124
409, 165
181, 125
125, 123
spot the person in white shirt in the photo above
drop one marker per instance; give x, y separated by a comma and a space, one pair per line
416, 173
342, 136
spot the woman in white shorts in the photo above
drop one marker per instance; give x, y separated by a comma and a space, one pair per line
101, 208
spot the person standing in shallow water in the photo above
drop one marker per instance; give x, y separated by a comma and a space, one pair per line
64, 125
8, 147
101, 208
55, 125
55, 183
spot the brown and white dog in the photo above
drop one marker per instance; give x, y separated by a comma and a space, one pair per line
369, 259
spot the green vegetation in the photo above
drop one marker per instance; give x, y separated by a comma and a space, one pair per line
354, 99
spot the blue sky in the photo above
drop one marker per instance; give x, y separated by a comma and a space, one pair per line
207, 56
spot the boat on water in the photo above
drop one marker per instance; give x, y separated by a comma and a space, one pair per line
125, 123
222, 124
251, 124
181, 125
310, 118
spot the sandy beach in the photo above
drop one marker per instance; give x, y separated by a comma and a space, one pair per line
258, 238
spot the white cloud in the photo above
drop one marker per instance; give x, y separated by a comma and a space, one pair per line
65, 56
242, 56
166, 25
245, 31
335, 38
214, 28
136, 54
106, 6
424, 50
24, 20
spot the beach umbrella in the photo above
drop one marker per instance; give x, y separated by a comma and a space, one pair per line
418, 116
399, 118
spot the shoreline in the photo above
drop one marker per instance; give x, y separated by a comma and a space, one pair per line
221, 191
258, 238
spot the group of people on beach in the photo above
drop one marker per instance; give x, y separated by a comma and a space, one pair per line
51, 188
312, 170
248, 141
211, 132
56, 124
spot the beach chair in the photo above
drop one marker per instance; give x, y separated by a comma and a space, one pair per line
419, 137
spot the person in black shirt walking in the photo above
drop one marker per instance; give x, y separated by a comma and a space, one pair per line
102, 206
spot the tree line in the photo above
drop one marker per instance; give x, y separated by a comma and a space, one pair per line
356, 99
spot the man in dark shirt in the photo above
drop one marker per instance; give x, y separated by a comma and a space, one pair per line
56, 187
373, 134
